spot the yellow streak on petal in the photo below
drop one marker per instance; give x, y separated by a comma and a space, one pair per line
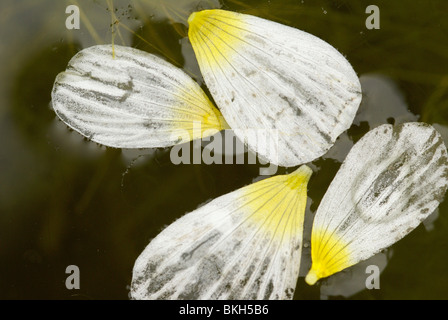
329, 255
197, 114
214, 35
278, 204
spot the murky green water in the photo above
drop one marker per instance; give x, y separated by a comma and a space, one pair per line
67, 201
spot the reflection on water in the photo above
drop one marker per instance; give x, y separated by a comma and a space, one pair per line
383, 102
176, 11
443, 130
65, 200
71, 143
353, 280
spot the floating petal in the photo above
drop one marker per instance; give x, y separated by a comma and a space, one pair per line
243, 245
392, 179
127, 98
286, 93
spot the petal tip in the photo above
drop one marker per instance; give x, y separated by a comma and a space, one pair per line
191, 18
312, 277
197, 16
300, 177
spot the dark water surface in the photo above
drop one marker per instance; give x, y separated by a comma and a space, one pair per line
68, 201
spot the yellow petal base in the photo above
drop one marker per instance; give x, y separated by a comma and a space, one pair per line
278, 203
214, 35
329, 255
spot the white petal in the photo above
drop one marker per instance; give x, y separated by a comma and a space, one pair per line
269, 77
127, 98
392, 179
243, 245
